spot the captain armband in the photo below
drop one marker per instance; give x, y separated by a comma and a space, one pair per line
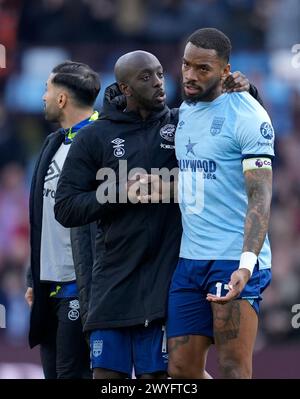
256, 163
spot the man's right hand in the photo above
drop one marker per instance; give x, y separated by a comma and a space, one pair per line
29, 296
238, 280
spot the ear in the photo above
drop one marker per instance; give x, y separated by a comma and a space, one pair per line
226, 71
125, 89
62, 100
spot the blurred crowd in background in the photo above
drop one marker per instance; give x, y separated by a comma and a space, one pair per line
38, 34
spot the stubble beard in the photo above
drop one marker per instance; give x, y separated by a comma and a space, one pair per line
208, 95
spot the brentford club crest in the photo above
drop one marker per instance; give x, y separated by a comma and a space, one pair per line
167, 132
97, 347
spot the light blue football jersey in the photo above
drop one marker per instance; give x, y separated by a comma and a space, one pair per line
212, 139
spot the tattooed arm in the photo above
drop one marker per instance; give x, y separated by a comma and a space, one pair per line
259, 191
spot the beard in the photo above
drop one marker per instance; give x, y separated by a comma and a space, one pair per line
209, 94
148, 104
52, 115
157, 107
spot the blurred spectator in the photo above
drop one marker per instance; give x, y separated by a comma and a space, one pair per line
13, 215
283, 23
172, 20
11, 149
9, 17
66, 21
130, 17
17, 320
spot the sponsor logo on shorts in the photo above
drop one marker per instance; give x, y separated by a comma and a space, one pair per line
165, 358
73, 313
74, 304
97, 347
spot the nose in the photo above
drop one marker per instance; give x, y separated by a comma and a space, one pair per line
190, 75
158, 82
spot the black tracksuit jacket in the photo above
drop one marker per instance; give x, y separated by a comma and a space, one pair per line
82, 239
138, 244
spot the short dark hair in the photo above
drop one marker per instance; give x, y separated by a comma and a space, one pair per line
211, 38
79, 79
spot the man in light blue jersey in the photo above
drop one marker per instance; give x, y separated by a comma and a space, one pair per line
224, 146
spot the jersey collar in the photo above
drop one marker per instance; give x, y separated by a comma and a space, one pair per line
71, 132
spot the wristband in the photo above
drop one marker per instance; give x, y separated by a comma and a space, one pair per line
248, 261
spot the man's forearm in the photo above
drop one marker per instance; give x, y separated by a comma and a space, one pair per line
259, 188
77, 209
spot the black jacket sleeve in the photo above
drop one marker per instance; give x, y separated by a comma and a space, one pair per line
76, 203
29, 282
254, 93
83, 249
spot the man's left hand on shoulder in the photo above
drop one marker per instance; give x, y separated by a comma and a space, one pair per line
235, 82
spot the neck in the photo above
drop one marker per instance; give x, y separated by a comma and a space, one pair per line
132, 107
74, 116
144, 113
213, 94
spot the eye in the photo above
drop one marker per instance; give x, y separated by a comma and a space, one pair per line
145, 78
160, 75
184, 64
203, 68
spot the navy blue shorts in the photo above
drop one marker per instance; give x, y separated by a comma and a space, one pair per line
189, 313
140, 348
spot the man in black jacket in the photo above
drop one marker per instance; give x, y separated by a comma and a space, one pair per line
132, 271
52, 290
